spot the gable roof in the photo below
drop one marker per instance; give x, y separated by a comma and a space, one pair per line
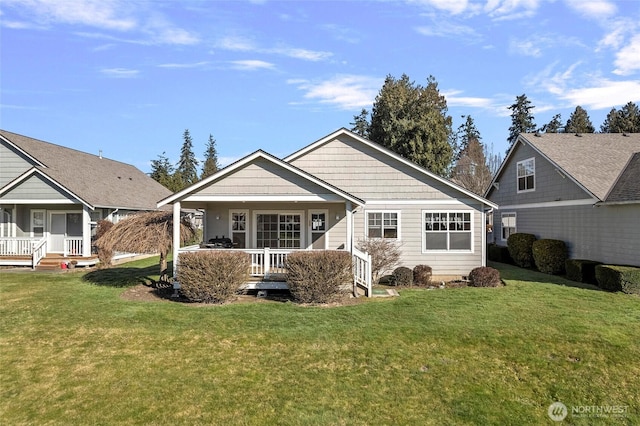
95, 181
181, 195
392, 155
595, 161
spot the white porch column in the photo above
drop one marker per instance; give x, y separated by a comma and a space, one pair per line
86, 232
176, 237
349, 219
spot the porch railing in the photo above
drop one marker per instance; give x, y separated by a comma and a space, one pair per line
17, 246
362, 271
39, 252
73, 246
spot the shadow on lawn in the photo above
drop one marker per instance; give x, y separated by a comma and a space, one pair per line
122, 276
512, 272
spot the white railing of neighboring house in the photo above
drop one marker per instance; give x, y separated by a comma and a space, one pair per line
73, 246
39, 252
17, 246
362, 271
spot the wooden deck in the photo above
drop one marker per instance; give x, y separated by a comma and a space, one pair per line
50, 262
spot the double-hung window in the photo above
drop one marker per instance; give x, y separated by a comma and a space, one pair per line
447, 231
383, 224
526, 175
508, 225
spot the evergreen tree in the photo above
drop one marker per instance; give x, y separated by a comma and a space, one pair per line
465, 133
610, 123
521, 118
471, 170
360, 125
186, 170
554, 126
162, 172
412, 121
579, 122
625, 120
210, 165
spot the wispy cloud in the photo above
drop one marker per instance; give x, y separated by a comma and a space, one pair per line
502, 10
346, 92
598, 9
628, 58
187, 65
120, 72
243, 44
450, 6
252, 65
443, 28
535, 45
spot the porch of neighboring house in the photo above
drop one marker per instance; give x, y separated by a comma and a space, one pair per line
34, 253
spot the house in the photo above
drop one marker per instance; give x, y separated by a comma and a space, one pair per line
583, 189
334, 193
51, 198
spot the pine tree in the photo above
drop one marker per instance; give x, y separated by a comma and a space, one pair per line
412, 121
210, 165
186, 170
521, 118
554, 126
360, 125
579, 122
471, 170
625, 120
162, 172
465, 133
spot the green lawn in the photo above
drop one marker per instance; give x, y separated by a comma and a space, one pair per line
74, 352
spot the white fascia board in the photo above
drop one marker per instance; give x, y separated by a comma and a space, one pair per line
427, 202
17, 181
391, 154
35, 201
564, 203
272, 198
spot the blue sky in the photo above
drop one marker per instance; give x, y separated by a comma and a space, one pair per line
128, 77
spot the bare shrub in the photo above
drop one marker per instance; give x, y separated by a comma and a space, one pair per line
105, 254
318, 276
212, 276
485, 276
385, 255
422, 275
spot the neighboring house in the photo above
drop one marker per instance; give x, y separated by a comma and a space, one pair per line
52, 197
334, 193
583, 189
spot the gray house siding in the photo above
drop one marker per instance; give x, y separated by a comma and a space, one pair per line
606, 233
35, 188
13, 164
550, 185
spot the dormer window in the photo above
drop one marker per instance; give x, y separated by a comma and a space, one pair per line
527, 175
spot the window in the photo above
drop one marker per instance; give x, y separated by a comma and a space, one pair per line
239, 228
383, 224
37, 223
448, 231
508, 222
527, 175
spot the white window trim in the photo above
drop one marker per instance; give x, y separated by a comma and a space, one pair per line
326, 225
246, 225
44, 222
515, 215
366, 223
518, 190
303, 220
424, 232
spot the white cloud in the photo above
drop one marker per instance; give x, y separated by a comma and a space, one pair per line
187, 65
598, 9
347, 92
535, 45
252, 65
628, 58
454, 7
304, 54
120, 72
236, 43
511, 9
442, 28
453, 100
242, 44
603, 93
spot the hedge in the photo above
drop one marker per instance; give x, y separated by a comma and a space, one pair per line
319, 276
521, 249
498, 253
212, 276
618, 278
581, 270
549, 256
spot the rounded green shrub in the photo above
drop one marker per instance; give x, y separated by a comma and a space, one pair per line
422, 275
319, 276
403, 276
549, 256
618, 278
497, 253
581, 270
212, 276
485, 276
520, 247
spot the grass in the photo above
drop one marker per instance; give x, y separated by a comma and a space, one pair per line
74, 352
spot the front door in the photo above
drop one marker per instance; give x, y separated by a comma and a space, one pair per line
318, 230
58, 231
279, 230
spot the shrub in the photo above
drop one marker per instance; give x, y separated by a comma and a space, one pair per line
549, 256
385, 255
485, 276
581, 270
618, 278
422, 275
105, 255
520, 247
498, 253
212, 276
318, 276
403, 276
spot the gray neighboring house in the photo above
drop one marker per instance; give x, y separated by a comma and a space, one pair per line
51, 198
583, 189
332, 194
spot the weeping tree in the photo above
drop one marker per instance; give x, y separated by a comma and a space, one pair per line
150, 232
